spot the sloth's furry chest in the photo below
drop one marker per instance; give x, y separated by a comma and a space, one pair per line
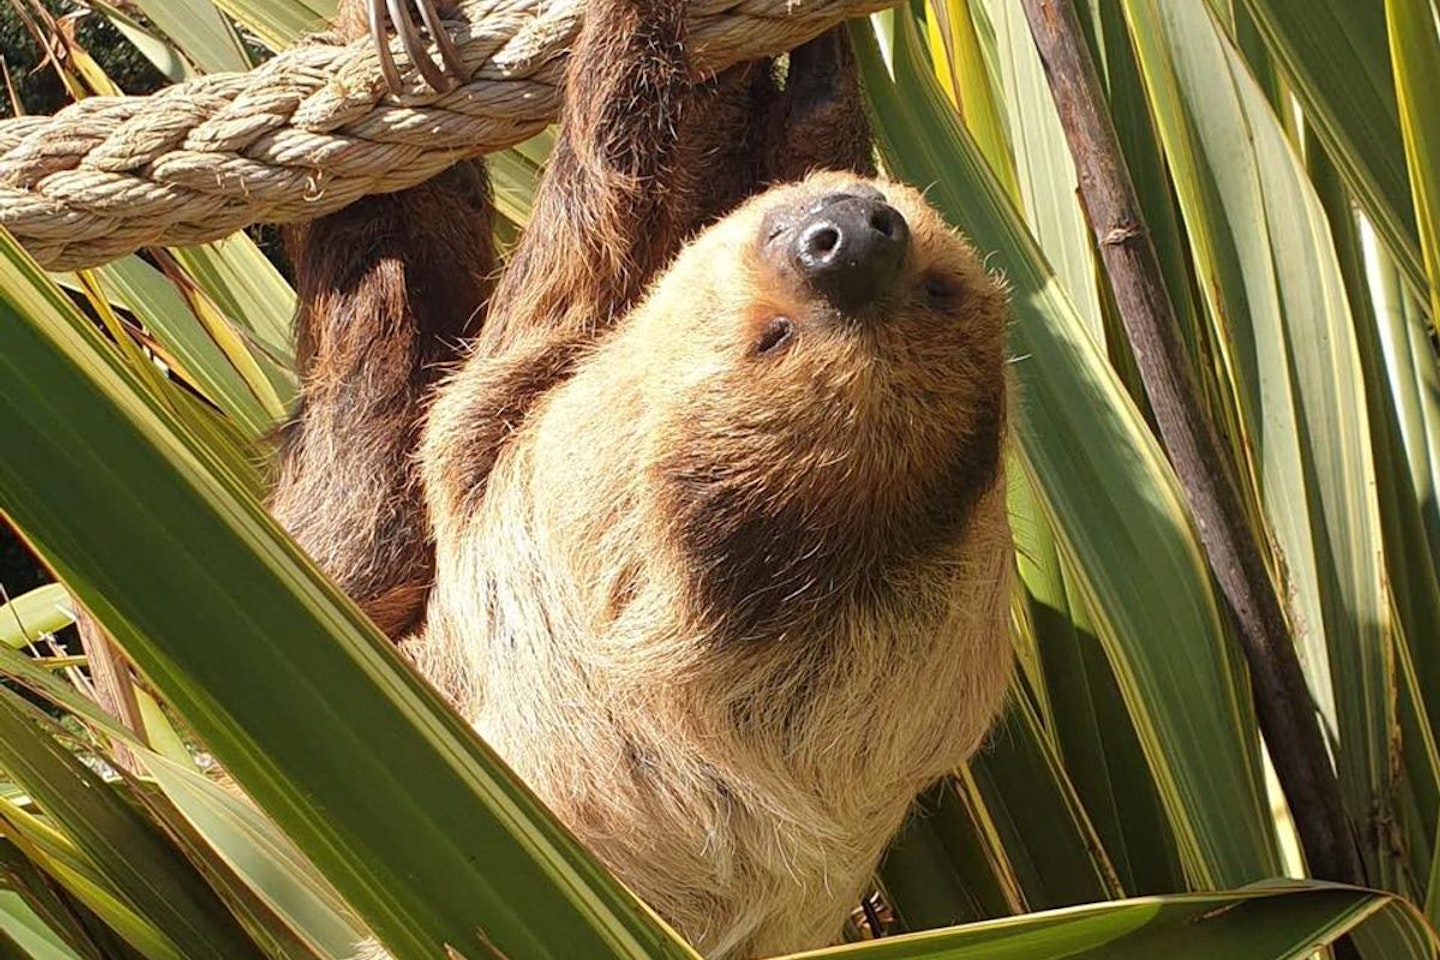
744, 789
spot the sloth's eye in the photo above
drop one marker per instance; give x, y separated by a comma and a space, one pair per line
777, 333
939, 290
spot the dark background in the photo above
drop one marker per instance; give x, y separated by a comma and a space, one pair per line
38, 88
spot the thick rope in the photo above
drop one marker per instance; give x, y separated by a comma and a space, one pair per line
315, 128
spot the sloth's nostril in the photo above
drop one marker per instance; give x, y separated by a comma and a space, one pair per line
886, 220
822, 240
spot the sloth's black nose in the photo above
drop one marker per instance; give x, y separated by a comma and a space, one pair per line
850, 248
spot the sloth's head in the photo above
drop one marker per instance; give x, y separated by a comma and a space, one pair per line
824, 389
806, 408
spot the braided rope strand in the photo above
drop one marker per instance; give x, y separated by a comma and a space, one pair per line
315, 128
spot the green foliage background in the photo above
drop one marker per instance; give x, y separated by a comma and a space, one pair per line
1288, 162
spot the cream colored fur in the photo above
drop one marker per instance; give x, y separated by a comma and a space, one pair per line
742, 779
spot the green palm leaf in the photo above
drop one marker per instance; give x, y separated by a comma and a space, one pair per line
1128, 763
1114, 505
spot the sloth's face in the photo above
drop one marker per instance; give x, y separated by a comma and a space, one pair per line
852, 289
835, 252
834, 261
834, 319
824, 372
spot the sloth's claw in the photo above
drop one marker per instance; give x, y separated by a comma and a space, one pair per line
449, 53
384, 14
378, 20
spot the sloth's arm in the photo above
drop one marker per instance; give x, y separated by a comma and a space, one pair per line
645, 155
604, 220
389, 288
819, 123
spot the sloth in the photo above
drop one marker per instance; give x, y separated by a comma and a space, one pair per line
697, 512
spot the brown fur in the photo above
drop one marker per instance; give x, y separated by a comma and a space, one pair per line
726, 611
389, 289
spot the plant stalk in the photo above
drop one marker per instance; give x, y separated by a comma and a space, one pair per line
1283, 703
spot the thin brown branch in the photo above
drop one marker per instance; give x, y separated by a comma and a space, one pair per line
1286, 711
113, 689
